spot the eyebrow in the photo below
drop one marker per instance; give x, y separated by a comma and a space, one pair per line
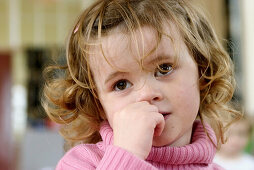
159, 58
112, 75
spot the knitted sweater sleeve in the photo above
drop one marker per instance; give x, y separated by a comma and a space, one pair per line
89, 157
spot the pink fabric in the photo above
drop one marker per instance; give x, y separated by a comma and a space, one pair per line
104, 155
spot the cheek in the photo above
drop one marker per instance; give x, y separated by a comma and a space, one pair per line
188, 96
188, 86
112, 105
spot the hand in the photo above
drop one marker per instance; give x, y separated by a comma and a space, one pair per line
134, 127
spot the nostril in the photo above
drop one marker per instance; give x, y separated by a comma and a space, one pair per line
156, 98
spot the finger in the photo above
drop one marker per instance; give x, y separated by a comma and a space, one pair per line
160, 124
151, 107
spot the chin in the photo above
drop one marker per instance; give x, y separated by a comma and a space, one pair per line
157, 142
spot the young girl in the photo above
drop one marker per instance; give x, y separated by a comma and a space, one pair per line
147, 86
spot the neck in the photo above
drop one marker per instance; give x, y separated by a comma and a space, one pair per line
184, 140
200, 150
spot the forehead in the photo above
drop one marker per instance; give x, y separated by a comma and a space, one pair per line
120, 48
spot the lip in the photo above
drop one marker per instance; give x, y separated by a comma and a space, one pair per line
165, 114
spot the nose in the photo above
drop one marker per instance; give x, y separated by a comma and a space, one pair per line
149, 92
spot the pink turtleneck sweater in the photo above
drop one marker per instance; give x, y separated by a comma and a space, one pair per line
104, 155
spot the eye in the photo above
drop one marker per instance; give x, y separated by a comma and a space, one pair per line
121, 85
163, 70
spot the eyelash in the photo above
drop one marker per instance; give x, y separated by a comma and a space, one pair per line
118, 83
167, 69
159, 69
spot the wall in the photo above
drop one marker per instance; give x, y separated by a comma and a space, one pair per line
216, 12
28, 23
6, 141
247, 8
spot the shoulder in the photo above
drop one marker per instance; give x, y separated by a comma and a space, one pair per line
80, 157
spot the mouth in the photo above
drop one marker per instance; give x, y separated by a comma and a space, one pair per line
165, 114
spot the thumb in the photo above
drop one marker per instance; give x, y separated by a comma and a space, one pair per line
160, 123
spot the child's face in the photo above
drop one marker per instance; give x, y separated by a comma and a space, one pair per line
174, 92
238, 136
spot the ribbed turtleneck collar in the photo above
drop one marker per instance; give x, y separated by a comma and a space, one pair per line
201, 150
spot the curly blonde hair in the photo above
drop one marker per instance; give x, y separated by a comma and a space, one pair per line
71, 99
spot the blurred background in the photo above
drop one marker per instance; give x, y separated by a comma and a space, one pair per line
34, 31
